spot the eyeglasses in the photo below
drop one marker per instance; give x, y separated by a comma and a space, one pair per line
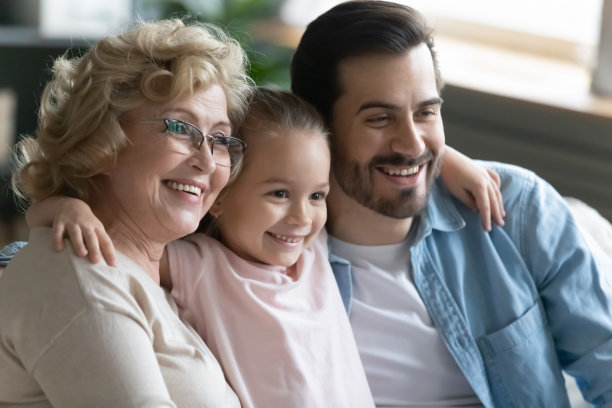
226, 151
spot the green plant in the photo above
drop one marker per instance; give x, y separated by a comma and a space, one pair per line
269, 62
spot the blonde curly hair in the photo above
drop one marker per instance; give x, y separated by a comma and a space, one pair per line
78, 133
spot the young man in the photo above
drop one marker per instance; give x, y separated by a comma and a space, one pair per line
444, 312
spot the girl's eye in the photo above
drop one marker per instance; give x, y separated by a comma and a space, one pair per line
319, 195
279, 193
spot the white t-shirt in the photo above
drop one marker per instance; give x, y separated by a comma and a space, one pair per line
75, 334
406, 361
282, 335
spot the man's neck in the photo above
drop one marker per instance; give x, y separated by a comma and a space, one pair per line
351, 222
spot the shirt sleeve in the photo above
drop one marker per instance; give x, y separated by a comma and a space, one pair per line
186, 260
102, 359
575, 288
8, 252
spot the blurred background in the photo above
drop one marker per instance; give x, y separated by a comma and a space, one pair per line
529, 82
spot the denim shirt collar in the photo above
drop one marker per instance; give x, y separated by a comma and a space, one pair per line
440, 214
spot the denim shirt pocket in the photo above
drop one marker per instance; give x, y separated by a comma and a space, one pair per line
522, 365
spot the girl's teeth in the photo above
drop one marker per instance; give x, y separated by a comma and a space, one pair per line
184, 187
286, 239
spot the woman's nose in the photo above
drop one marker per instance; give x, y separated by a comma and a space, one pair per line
203, 159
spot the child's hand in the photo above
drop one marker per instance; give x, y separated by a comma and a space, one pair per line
73, 219
475, 186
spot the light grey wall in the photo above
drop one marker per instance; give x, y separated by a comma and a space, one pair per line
572, 151
602, 77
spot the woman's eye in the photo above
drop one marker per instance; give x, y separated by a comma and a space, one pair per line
177, 127
221, 139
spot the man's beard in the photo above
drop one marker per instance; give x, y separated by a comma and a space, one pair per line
355, 179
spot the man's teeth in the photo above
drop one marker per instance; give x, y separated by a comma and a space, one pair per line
286, 238
184, 187
402, 172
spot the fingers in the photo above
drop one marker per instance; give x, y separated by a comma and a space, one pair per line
493, 175
58, 237
93, 247
497, 202
85, 242
108, 249
484, 206
497, 207
480, 197
99, 246
75, 235
498, 211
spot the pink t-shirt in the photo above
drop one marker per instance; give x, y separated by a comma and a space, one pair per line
283, 341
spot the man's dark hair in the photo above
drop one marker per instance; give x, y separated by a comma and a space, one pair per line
353, 29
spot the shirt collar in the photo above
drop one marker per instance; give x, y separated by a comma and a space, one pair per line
440, 214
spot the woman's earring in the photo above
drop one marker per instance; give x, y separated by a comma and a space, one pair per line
215, 209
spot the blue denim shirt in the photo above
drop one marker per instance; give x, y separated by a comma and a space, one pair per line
518, 304
7, 253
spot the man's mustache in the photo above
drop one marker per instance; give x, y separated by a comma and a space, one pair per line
401, 161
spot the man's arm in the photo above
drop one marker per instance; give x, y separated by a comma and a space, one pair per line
576, 291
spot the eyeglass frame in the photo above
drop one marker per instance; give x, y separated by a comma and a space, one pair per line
197, 144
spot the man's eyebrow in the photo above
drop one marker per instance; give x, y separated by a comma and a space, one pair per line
433, 101
386, 105
377, 104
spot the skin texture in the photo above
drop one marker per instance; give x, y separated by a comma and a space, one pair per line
381, 128
276, 207
383, 125
139, 184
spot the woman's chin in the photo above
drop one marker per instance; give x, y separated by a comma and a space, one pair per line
183, 225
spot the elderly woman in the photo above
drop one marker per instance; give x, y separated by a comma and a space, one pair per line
140, 129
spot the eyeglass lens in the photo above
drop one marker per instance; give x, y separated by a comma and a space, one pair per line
226, 150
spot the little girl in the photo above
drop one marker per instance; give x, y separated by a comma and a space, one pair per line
258, 286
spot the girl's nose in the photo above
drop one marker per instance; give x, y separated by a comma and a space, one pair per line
299, 215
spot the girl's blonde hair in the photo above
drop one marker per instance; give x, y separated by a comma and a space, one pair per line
270, 111
79, 135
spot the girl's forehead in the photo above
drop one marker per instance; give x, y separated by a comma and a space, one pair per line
280, 144
274, 135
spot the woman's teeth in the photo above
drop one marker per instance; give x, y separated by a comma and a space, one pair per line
184, 187
402, 172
